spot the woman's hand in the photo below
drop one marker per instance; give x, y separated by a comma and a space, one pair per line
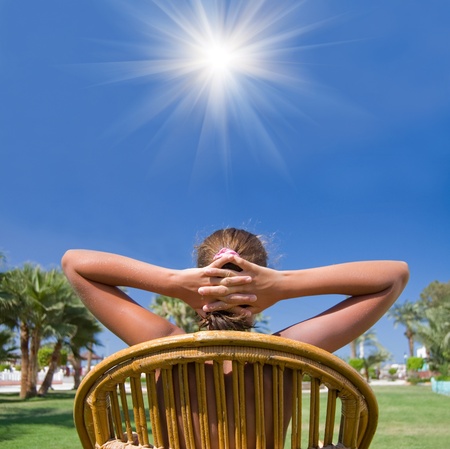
262, 285
223, 286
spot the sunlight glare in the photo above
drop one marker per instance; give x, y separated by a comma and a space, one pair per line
225, 66
219, 58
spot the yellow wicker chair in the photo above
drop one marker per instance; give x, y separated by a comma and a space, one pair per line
224, 389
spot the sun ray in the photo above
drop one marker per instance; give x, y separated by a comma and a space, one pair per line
223, 64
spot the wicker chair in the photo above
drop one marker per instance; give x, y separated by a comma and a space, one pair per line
224, 389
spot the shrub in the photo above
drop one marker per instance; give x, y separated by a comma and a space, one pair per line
443, 377
414, 379
393, 373
414, 363
45, 354
357, 364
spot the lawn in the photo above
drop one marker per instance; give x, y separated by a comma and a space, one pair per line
411, 417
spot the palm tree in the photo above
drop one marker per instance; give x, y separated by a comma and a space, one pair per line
357, 346
371, 352
85, 337
375, 359
408, 315
7, 345
71, 315
178, 312
32, 303
434, 333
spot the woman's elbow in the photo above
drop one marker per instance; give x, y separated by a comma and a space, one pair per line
69, 261
401, 275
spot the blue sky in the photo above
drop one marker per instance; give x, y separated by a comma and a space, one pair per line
341, 153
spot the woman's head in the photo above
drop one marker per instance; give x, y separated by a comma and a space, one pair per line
249, 247
246, 244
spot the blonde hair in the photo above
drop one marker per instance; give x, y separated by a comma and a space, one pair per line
250, 247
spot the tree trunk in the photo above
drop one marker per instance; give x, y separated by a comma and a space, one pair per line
410, 336
33, 365
76, 372
25, 356
366, 371
89, 360
52, 366
353, 349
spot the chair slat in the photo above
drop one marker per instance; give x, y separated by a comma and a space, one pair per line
296, 422
116, 417
100, 418
351, 409
202, 405
186, 409
278, 405
314, 413
155, 417
170, 407
330, 416
221, 405
140, 418
239, 408
260, 427
126, 414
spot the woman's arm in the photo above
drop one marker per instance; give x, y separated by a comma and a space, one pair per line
371, 287
97, 276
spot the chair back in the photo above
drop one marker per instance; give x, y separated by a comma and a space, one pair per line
224, 390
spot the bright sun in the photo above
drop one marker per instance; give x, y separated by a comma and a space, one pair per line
219, 58
225, 65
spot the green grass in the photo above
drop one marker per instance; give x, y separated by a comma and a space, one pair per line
41, 423
411, 417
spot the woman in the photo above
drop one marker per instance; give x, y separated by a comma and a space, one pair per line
233, 283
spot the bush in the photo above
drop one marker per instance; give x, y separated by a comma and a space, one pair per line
4, 367
414, 363
45, 354
414, 380
357, 364
443, 377
393, 373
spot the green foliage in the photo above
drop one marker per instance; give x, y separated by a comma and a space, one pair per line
392, 371
372, 353
444, 369
357, 364
408, 315
176, 311
44, 307
45, 355
434, 331
414, 380
7, 345
5, 367
179, 313
414, 363
443, 378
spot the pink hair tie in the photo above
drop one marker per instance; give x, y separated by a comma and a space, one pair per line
224, 251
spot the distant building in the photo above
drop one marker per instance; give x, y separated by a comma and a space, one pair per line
422, 352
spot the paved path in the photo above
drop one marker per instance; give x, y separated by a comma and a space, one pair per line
67, 384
